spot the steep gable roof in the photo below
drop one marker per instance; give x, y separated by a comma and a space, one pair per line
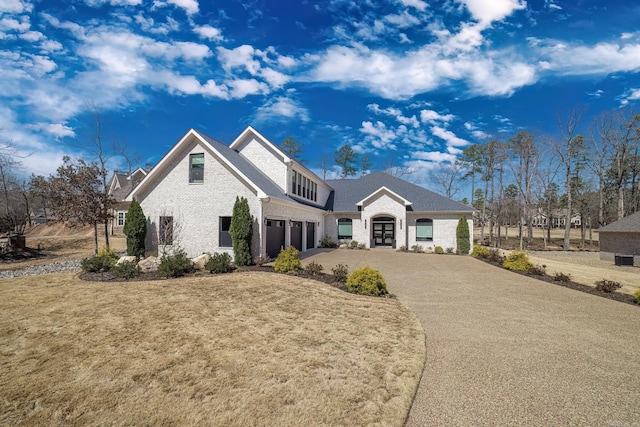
349, 192
263, 185
628, 224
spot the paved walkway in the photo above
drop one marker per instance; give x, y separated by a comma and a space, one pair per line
506, 350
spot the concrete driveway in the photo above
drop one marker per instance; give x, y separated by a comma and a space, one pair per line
506, 350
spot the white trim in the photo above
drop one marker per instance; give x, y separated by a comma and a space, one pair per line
381, 189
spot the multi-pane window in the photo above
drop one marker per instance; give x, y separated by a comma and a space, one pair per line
224, 237
196, 168
165, 231
424, 229
345, 229
303, 186
122, 216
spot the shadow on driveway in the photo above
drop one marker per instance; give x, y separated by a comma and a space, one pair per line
505, 349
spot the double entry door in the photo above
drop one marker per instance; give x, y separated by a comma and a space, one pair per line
384, 231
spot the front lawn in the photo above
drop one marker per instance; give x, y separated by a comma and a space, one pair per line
236, 349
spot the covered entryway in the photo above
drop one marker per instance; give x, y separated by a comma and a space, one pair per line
296, 235
384, 231
275, 237
311, 235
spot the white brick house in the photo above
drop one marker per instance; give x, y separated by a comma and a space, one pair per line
188, 199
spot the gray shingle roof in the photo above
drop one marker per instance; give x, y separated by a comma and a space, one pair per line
627, 224
348, 192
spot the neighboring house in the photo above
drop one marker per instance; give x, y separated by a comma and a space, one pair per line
120, 186
621, 238
188, 200
558, 219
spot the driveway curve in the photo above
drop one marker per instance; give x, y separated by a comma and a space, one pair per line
505, 349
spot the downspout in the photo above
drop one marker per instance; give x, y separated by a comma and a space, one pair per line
261, 225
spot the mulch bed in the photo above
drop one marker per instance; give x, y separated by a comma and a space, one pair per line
108, 277
616, 296
21, 255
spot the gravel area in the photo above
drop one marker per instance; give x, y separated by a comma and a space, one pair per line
505, 349
54, 267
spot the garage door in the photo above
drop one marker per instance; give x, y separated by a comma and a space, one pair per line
296, 235
311, 235
275, 237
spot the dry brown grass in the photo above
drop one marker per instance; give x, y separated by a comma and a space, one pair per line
237, 349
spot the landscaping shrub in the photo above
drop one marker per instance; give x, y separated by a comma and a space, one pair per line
288, 261
417, 248
101, 262
538, 270
450, 250
561, 277
607, 286
241, 231
438, 250
340, 273
495, 255
327, 242
219, 263
97, 263
126, 270
362, 246
480, 252
462, 236
366, 281
313, 268
175, 264
637, 295
261, 260
517, 261
403, 248
353, 244
135, 228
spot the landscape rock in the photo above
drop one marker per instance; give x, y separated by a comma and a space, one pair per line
126, 259
149, 264
200, 261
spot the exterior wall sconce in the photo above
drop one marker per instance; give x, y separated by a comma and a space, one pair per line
265, 221
290, 223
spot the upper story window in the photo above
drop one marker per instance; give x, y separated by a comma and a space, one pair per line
303, 186
196, 168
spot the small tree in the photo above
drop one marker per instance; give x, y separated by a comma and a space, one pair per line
135, 228
347, 159
462, 236
241, 231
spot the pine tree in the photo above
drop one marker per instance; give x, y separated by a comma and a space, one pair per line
241, 231
462, 236
135, 228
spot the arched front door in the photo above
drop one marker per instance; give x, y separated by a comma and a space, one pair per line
384, 231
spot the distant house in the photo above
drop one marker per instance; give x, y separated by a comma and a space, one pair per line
188, 199
621, 238
120, 185
558, 219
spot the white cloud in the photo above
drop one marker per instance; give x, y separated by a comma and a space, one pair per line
15, 6
487, 12
602, 58
208, 32
431, 116
190, 7
630, 96
32, 36
418, 4
451, 139
58, 130
97, 3
378, 135
244, 87
282, 109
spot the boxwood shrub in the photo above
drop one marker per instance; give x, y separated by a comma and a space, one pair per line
366, 281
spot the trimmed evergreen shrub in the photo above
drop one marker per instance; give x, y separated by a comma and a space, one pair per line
517, 261
340, 273
101, 262
366, 281
135, 228
353, 244
288, 261
126, 270
438, 250
480, 252
313, 268
219, 263
637, 295
241, 231
175, 264
607, 286
462, 236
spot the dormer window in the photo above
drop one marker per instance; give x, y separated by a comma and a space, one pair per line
196, 168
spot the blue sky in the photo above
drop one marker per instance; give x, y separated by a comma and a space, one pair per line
410, 82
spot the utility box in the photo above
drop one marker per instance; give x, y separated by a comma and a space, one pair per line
624, 260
